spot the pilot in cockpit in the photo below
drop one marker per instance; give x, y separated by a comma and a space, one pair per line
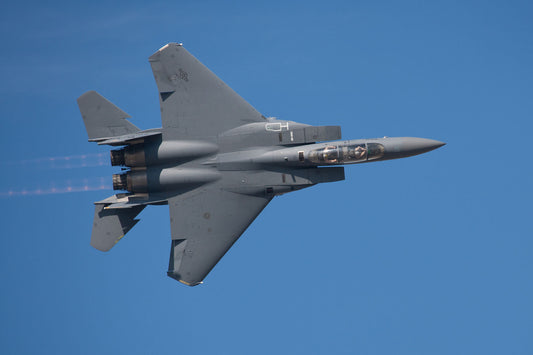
359, 152
330, 154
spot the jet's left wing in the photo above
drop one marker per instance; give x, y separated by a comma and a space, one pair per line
195, 103
204, 225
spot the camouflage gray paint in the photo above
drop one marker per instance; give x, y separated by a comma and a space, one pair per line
216, 162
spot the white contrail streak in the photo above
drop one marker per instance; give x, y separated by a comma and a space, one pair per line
65, 162
67, 187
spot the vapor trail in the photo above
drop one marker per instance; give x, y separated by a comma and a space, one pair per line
66, 187
64, 162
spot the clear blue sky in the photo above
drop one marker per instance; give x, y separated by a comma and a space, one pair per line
427, 255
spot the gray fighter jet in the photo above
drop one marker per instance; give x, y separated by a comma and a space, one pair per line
216, 162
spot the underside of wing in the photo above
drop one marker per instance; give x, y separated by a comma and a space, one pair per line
195, 103
204, 225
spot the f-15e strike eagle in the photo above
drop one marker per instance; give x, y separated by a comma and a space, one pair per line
215, 161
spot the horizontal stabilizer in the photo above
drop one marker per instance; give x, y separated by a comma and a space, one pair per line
132, 138
103, 119
111, 224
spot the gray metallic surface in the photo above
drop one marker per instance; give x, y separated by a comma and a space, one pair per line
195, 103
110, 225
216, 162
216, 218
103, 119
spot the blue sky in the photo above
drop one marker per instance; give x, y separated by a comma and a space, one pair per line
427, 255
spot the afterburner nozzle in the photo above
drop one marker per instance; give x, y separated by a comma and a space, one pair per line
120, 182
117, 157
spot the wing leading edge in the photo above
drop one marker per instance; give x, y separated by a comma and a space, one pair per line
204, 224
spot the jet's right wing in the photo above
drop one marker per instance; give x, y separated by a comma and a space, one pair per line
195, 103
204, 225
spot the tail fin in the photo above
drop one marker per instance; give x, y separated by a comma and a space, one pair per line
103, 119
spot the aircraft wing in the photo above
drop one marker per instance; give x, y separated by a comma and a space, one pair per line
204, 225
195, 103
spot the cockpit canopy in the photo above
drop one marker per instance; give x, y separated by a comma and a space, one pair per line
346, 154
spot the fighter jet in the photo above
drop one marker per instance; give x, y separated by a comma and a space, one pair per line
216, 162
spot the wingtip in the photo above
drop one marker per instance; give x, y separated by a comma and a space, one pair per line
177, 277
169, 45
154, 57
86, 94
190, 284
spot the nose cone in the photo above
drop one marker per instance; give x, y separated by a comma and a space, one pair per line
409, 146
415, 146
